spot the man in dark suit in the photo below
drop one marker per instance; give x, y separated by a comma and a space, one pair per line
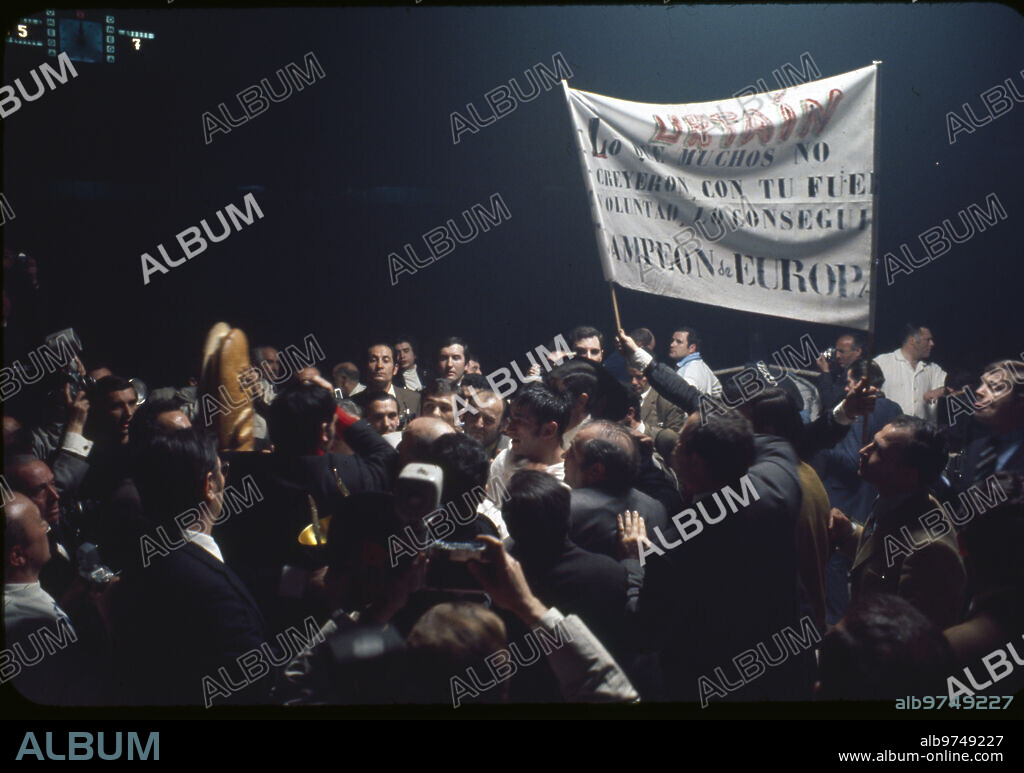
601, 466
186, 616
411, 374
381, 370
263, 539
576, 581
908, 546
1001, 397
838, 467
732, 585
834, 373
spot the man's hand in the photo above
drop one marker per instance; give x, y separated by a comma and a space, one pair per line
626, 344
840, 527
100, 596
78, 410
934, 394
646, 441
822, 363
312, 374
632, 530
505, 583
861, 401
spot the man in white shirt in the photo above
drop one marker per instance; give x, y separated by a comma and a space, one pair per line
31, 615
685, 347
911, 383
536, 422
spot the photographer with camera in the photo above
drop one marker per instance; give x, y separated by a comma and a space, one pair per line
834, 365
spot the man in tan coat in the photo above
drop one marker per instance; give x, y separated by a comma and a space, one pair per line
908, 546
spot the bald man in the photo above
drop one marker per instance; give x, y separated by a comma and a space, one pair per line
601, 466
28, 476
489, 422
31, 615
420, 433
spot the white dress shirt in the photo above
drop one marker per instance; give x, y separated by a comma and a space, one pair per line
76, 444
206, 542
699, 376
412, 379
906, 386
25, 602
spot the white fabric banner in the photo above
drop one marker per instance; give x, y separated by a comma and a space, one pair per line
761, 203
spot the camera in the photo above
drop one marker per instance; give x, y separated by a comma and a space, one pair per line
59, 343
91, 567
418, 491
831, 356
449, 565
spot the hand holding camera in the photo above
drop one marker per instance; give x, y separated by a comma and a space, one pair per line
503, 580
77, 405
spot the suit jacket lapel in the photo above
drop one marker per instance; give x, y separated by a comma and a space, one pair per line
866, 547
648, 408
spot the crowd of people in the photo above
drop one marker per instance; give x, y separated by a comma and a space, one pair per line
603, 533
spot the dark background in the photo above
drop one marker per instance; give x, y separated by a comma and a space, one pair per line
113, 163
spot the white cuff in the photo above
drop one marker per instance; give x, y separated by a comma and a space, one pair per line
840, 415
76, 444
640, 359
551, 618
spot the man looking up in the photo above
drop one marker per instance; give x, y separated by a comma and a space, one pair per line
1000, 408
28, 608
894, 552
